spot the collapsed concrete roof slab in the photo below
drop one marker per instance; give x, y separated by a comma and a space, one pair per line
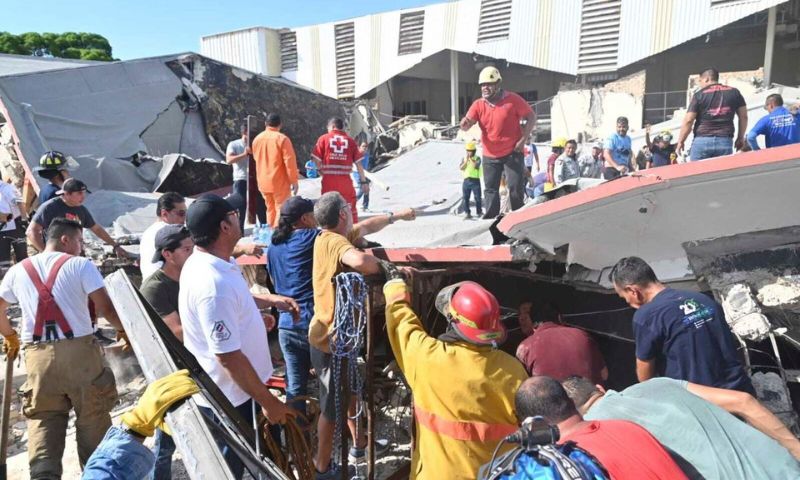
653, 214
15, 64
104, 115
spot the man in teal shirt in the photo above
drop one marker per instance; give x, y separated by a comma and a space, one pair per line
691, 421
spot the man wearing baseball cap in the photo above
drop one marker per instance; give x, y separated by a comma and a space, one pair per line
69, 205
173, 245
222, 325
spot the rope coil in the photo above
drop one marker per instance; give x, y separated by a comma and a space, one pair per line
346, 341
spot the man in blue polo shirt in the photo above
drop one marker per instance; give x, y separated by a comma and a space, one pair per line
679, 334
780, 127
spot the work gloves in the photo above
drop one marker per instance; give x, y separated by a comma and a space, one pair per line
11, 346
390, 270
157, 398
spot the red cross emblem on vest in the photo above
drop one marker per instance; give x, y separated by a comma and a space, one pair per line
338, 144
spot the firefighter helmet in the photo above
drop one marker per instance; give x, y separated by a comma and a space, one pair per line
52, 160
473, 312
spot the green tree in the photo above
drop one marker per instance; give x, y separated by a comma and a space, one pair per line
83, 46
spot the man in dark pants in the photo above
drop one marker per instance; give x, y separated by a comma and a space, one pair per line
499, 114
237, 155
471, 169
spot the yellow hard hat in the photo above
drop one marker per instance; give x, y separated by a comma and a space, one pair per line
560, 142
489, 75
470, 146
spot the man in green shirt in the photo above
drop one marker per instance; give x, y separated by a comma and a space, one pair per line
471, 169
692, 422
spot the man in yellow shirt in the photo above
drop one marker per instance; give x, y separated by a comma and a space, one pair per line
463, 385
333, 253
276, 167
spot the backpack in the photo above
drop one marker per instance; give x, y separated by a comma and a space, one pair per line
546, 462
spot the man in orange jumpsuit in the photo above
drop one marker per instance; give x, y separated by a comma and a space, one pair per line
335, 153
276, 167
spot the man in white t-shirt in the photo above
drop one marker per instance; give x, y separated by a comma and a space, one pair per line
170, 210
63, 361
222, 325
11, 237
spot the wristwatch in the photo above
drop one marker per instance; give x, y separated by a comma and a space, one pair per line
390, 215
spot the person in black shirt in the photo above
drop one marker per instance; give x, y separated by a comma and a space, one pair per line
711, 111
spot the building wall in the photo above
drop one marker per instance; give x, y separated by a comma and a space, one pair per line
245, 49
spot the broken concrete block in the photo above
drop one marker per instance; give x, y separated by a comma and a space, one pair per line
743, 313
784, 293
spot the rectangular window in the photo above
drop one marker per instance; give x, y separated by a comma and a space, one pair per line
411, 26
288, 51
344, 34
495, 21
415, 108
599, 42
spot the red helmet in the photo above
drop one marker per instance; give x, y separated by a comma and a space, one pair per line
476, 314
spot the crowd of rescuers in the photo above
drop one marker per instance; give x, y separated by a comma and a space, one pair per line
691, 379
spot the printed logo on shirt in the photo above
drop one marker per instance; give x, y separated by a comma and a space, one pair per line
220, 332
696, 314
72, 216
338, 144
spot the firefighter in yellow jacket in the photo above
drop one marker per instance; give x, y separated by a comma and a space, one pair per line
463, 386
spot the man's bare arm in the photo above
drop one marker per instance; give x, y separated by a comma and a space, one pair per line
645, 369
104, 236
467, 123
361, 262
378, 222
173, 321
104, 307
5, 323
746, 406
35, 234
233, 158
244, 375
686, 127
741, 114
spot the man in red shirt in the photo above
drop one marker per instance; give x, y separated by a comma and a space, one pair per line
559, 351
625, 449
499, 114
334, 154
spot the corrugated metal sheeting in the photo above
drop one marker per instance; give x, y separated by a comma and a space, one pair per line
566, 36
650, 27
242, 48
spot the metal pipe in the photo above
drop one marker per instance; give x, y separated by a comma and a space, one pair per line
453, 87
772, 17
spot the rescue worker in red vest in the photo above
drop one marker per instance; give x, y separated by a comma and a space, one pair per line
463, 386
63, 360
335, 154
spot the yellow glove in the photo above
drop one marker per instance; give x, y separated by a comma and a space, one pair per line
395, 291
11, 346
159, 396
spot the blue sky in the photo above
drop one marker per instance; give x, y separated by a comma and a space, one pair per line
146, 28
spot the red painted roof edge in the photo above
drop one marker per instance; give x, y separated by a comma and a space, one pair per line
491, 254
650, 177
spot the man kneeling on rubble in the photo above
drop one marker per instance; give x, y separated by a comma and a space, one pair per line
65, 365
463, 385
690, 420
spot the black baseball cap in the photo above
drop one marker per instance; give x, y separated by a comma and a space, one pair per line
72, 185
295, 207
208, 210
169, 237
